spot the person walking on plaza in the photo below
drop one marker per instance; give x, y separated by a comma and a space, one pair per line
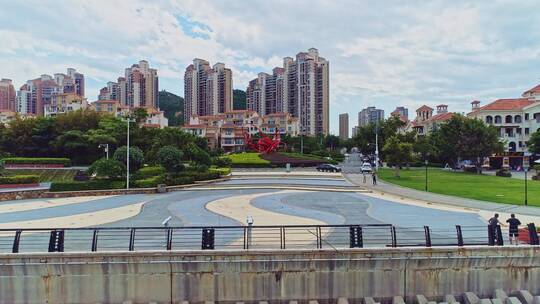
364, 177
374, 176
513, 231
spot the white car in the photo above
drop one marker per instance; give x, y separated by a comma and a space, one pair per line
366, 168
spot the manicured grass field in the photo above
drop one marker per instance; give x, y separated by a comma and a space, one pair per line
46, 175
248, 158
467, 185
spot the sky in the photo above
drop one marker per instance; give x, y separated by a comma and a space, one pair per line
382, 53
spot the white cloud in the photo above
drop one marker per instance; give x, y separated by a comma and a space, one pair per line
385, 54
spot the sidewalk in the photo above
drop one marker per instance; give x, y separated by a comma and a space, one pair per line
383, 187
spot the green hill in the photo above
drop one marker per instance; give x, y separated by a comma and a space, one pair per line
173, 106
239, 100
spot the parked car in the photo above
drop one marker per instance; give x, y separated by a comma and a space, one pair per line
328, 168
366, 168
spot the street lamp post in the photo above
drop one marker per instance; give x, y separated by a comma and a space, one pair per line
377, 146
105, 148
128, 120
302, 140
526, 165
426, 163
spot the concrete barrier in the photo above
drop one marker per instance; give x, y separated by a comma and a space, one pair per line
235, 276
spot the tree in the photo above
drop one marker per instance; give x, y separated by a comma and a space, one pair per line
397, 152
75, 146
533, 144
466, 138
136, 157
170, 157
108, 168
140, 115
197, 155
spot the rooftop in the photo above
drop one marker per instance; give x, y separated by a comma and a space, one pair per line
508, 104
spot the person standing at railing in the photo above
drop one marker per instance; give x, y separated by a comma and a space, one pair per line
493, 225
513, 231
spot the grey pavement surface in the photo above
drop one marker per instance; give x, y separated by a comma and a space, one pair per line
187, 208
440, 198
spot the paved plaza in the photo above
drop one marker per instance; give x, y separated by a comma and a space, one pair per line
274, 198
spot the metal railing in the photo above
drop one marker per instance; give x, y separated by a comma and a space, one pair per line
250, 237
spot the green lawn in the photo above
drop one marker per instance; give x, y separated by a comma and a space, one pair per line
46, 175
468, 185
248, 158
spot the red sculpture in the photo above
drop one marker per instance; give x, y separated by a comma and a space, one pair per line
264, 144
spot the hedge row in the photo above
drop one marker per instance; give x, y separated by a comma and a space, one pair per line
89, 185
150, 182
19, 179
148, 172
221, 171
37, 161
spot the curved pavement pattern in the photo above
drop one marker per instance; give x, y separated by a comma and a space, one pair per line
230, 208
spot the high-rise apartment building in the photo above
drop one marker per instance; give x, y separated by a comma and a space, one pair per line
300, 88
401, 112
370, 115
344, 126
36, 94
7, 95
207, 90
138, 89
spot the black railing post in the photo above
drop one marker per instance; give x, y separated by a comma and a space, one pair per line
169, 239
94, 240
16, 241
491, 235
208, 239
459, 236
533, 234
283, 246
246, 246
428, 236
319, 240
132, 239
56, 241
394, 236
500, 241
355, 237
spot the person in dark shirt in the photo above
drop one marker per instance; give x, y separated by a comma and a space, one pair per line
374, 177
513, 231
493, 223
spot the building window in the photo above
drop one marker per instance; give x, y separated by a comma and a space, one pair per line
508, 119
526, 131
518, 130
489, 119
520, 144
498, 119
517, 119
526, 116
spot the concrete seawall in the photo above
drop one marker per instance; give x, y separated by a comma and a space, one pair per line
172, 277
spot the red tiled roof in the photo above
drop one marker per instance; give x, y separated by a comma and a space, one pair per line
508, 104
442, 116
536, 89
194, 126
424, 107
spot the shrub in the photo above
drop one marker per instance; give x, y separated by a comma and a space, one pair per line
150, 182
222, 162
136, 157
503, 173
470, 169
19, 179
199, 176
37, 161
250, 159
170, 157
107, 168
148, 172
89, 185
173, 180
197, 155
221, 171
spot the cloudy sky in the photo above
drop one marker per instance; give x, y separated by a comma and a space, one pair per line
381, 53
